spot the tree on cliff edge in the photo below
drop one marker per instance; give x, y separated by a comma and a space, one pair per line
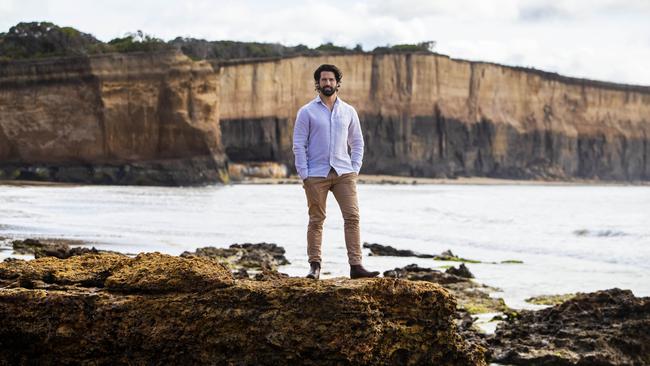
44, 39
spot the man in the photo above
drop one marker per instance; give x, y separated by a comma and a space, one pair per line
324, 128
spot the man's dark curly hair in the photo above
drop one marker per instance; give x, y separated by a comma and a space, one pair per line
326, 67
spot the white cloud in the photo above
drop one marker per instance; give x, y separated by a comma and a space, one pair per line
6, 6
600, 39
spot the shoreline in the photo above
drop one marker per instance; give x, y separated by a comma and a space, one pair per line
376, 179
400, 180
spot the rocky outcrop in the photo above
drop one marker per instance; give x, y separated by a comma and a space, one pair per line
253, 170
141, 118
109, 309
56, 248
472, 297
416, 273
601, 328
387, 250
461, 271
244, 256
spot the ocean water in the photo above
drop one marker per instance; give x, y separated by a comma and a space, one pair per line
571, 238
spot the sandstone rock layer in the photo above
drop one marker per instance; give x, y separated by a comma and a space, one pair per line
434, 116
162, 118
144, 118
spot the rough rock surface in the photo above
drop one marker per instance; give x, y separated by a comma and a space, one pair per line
610, 327
247, 255
471, 296
58, 248
159, 309
471, 332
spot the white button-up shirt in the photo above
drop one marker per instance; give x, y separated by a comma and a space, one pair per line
321, 139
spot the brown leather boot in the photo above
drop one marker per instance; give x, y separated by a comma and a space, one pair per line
357, 271
314, 272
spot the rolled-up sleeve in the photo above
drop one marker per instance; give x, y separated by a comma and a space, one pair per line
355, 140
300, 141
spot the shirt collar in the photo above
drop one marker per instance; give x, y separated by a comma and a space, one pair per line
319, 100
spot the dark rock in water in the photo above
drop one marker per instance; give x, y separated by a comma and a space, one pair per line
610, 327
275, 250
461, 271
26, 246
241, 274
447, 255
386, 250
159, 309
472, 297
471, 333
56, 249
247, 255
417, 273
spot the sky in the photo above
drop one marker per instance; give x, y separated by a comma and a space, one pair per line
596, 39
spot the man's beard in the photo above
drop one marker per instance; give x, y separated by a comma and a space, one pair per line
328, 91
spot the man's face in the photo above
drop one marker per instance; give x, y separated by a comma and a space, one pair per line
327, 83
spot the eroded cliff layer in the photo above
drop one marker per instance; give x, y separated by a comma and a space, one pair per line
429, 115
145, 118
157, 309
161, 118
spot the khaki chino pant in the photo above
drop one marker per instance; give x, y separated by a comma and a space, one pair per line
344, 188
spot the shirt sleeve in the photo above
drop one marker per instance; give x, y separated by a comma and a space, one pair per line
355, 140
300, 140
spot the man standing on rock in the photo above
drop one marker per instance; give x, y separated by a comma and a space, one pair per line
324, 129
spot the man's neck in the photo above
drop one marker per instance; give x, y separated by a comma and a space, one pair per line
328, 101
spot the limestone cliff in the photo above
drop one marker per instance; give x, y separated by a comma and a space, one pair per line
148, 118
430, 115
161, 118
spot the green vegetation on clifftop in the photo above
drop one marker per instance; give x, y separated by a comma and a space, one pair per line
28, 40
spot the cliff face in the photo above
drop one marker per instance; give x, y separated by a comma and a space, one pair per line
161, 118
429, 115
137, 118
